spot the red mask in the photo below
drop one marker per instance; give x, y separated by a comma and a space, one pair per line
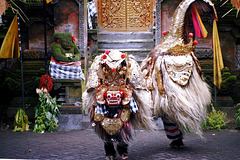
113, 97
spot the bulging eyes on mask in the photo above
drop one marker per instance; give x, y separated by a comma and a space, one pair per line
113, 97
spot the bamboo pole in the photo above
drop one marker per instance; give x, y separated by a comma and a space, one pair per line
21, 62
85, 40
45, 36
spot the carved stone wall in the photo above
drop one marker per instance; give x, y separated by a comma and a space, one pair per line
69, 17
238, 57
66, 18
202, 53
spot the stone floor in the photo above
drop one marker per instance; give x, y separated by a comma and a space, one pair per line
85, 145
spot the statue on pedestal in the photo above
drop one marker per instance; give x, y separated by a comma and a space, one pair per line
64, 49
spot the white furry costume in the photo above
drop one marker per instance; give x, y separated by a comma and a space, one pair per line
173, 74
117, 72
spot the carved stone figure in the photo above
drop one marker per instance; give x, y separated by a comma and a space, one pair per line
64, 49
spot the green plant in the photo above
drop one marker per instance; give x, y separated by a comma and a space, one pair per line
21, 122
204, 124
237, 117
46, 113
229, 85
215, 119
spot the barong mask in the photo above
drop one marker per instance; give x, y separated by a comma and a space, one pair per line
113, 97
113, 73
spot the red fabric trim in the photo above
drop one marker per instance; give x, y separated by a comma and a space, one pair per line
172, 130
77, 63
196, 25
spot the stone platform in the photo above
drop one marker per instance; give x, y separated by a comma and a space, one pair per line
69, 93
72, 118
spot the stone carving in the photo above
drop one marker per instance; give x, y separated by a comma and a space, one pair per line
204, 53
64, 49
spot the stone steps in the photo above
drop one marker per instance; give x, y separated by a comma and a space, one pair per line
128, 43
139, 44
104, 35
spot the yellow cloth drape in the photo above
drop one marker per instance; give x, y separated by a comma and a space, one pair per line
218, 60
48, 1
10, 45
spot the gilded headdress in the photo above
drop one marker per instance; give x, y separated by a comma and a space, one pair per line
176, 40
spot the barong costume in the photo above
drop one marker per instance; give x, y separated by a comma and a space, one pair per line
172, 73
117, 100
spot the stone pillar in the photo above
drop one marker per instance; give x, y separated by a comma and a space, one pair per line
81, 28
158, 31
